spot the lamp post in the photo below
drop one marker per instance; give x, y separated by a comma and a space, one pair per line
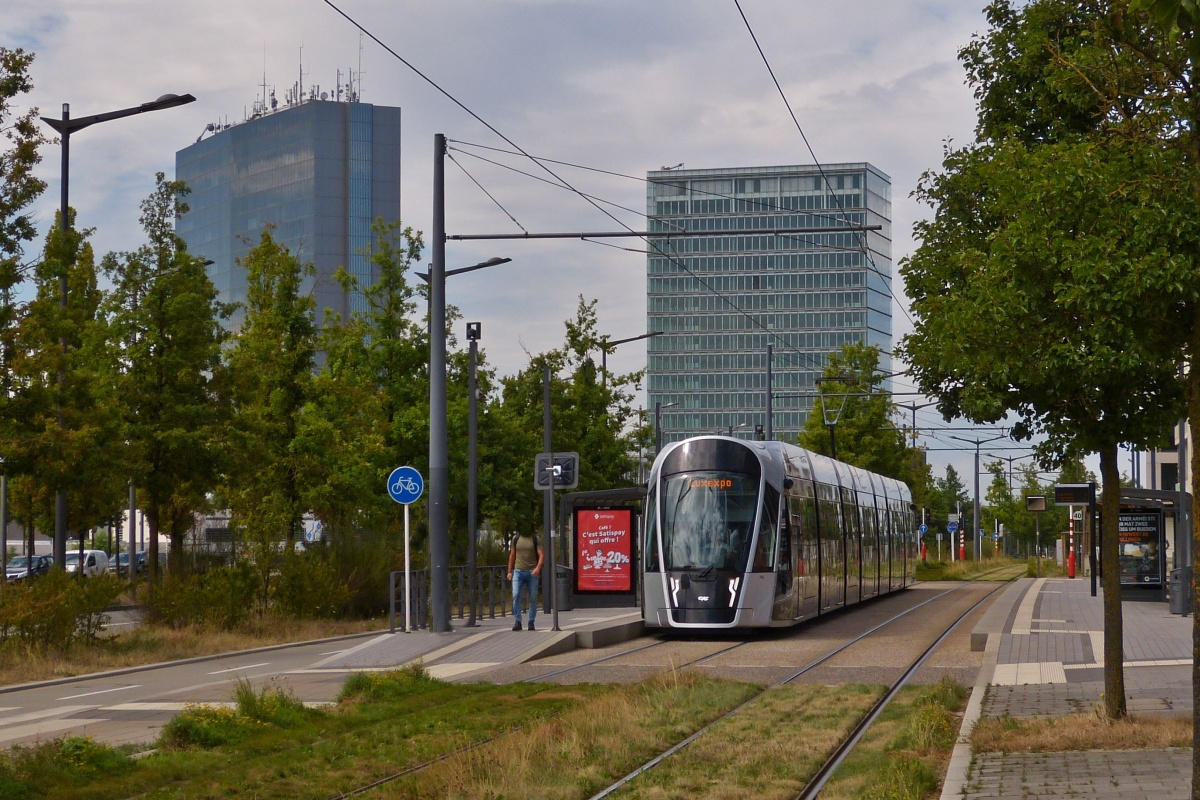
975, 520
439, 469
658, 407
474, 331
606, 345
65, 127
733, 428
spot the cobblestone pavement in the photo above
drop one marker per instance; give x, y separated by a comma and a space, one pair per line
1046, 660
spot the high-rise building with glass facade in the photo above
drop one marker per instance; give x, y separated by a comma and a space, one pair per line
320, 171
720, 298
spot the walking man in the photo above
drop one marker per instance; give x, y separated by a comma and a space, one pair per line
524, 567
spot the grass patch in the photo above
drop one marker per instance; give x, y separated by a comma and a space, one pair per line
904, 753
996, 568
1079, 732
269, 746
586, 748
152, 644
770, 750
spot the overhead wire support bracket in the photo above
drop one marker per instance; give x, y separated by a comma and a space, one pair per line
465, 237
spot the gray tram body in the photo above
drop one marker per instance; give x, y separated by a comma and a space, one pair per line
747, 534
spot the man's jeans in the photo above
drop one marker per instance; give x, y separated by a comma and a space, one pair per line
523, 578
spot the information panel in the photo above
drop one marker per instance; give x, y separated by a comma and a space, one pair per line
604, 550
1141, 554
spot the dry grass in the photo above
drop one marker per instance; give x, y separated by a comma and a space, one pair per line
150, 644
1079, 732
579, 752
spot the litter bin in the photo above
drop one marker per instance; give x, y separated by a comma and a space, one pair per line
564, 584
1175, 590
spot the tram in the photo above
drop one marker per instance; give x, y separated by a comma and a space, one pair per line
748, 534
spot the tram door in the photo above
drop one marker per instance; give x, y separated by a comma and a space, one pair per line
833, 560
802, 506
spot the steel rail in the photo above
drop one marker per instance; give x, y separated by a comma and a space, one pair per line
738, 709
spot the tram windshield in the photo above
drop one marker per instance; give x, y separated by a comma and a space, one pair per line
707, 520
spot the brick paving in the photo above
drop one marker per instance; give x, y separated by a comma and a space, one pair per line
1048, 661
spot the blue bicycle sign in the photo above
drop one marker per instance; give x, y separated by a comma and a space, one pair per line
405, 485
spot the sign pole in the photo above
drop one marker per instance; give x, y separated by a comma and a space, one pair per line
407, 576
405, 485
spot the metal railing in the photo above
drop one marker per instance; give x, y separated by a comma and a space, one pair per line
493, 595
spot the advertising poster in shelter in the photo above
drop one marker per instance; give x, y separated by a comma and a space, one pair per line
1141, 553
604, 550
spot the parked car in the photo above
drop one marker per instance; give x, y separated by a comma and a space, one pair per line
95, 562
120, 564
21, 568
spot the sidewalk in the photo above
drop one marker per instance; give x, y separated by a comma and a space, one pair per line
1044, 656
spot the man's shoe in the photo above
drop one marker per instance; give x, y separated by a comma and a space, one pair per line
531, 626
517, 625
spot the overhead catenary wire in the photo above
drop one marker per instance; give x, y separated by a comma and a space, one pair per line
524, 153
796, 122
674, 258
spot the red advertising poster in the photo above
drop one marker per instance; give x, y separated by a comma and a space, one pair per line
604, 549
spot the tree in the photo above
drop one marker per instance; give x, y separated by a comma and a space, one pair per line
865, 434
271, 368
369, 411
19, 187
1061, 238
61, 408
164, 322
589, 416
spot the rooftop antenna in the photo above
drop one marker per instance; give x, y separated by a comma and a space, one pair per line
358, 93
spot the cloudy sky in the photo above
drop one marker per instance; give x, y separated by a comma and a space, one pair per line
620, 86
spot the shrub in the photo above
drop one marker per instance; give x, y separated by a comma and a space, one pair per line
206, 727
271, 706
390, 685
311, 585
223, 597
56, 609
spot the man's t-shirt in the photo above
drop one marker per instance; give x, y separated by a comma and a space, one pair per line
527, 556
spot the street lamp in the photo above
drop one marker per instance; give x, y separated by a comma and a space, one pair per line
439, 466
733, 428
606, 345
975, 521
474, 332
658, 407
65, 127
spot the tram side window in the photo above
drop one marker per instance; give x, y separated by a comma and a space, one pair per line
764, 555
651, 547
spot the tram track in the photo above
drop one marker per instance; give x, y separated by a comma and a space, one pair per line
839, 754
823, 773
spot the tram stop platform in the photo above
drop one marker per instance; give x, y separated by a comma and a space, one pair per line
464, 650
1043, 644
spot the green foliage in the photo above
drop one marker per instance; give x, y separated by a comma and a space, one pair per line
387, 686
206, 727
271, 706
73, 761
862, 432
56, 610
312, 585
592, 414
224, 597
164, 323
907, 778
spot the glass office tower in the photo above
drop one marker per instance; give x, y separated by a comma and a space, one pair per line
320, 171
720, 298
